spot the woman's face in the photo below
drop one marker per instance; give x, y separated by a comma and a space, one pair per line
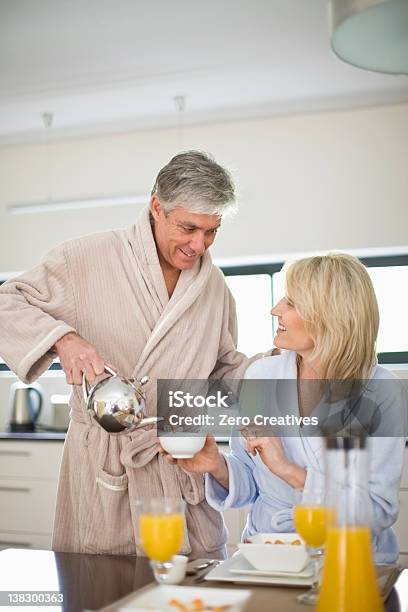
291, 333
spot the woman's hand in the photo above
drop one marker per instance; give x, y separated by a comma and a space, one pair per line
272, 454
207, 460
269, 449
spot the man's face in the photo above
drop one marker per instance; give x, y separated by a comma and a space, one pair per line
182, 236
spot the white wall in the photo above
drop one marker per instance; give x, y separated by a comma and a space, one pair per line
306, 182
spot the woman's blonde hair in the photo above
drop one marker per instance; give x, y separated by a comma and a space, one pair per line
334, 295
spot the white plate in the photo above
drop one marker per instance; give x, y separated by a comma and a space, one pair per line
223, 573
244, 567
157, 598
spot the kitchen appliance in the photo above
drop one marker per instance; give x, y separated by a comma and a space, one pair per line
59, 412
26, 403
117, 403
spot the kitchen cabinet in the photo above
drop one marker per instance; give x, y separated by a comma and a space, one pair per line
28, 488
235, 520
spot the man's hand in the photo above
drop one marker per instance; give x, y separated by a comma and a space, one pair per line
207, 460
78, 357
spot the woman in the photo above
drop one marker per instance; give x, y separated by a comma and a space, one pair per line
327, 329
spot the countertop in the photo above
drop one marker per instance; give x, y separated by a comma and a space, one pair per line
85, 581
33, 435
40, 434
95, 582
58, 435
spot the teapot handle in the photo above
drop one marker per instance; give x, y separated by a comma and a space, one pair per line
85, 387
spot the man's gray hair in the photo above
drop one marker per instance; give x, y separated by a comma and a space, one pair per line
194, 181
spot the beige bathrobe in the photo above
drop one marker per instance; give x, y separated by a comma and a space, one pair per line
110, 289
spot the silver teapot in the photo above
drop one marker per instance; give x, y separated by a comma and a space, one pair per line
117, 403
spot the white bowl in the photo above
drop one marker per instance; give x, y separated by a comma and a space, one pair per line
182, 447
275, 557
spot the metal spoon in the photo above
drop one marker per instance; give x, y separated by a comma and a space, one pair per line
203, 574
199, 567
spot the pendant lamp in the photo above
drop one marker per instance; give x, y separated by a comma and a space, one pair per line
371, 34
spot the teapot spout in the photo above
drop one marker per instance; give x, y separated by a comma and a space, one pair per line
148, 421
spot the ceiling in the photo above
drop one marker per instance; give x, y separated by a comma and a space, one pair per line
111, 65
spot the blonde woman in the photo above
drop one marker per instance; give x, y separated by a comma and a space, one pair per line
327, 329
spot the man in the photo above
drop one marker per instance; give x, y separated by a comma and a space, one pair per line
147, 300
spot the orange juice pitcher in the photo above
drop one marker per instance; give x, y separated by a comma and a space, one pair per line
349, 582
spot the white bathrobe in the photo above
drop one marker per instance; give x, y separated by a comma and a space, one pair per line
110, 289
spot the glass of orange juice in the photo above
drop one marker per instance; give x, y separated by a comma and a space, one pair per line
310, 516
160, 532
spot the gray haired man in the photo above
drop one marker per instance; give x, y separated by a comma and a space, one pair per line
147, 300
191, 195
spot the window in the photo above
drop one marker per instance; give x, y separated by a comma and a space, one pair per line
252, 293
257, 287
250, 285
391, 288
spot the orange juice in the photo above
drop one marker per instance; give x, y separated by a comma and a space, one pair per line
349, 581
310, 523
161, 535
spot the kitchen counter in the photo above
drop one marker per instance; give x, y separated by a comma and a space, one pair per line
33, 435
85, 581
96, 582
61, 435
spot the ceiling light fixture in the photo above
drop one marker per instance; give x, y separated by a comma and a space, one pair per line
371, 34
51, 206
180, 104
